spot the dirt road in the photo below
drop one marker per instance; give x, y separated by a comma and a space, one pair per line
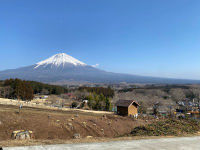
179, 143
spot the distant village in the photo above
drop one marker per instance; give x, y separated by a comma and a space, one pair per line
122, 99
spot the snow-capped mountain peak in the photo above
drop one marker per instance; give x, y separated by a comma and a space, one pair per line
60, 60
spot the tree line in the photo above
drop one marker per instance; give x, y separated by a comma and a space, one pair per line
99, 102
18, 89
47, 89
25, 90
107, 92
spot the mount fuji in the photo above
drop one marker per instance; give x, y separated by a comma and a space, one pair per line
60, 60
62, 68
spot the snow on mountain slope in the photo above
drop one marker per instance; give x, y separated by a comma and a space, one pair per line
62, 68
60, 60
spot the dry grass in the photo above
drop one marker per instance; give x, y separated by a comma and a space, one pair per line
53, 126
33, 105
168, 127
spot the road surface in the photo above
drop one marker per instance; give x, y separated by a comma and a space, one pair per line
179, 143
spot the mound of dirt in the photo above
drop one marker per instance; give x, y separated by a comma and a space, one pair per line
51, 124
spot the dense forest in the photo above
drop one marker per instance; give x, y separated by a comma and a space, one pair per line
21, 89
16, 89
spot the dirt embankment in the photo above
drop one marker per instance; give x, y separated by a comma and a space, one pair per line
48, 124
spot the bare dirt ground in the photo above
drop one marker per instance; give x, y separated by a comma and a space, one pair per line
56, 126
33, 104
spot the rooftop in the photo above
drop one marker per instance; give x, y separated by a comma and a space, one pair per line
125, 103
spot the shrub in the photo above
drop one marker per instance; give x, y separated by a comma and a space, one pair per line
74, 105
167, 127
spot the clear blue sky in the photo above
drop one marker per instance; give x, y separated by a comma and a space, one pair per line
144, 37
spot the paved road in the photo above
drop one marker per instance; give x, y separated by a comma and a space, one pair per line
183, 143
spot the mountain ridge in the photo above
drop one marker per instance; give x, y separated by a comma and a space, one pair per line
62, 67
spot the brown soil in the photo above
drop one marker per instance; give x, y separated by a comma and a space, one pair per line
61, 125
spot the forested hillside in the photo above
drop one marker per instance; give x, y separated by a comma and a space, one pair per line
21, 89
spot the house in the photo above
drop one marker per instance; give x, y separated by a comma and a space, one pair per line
127, 108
